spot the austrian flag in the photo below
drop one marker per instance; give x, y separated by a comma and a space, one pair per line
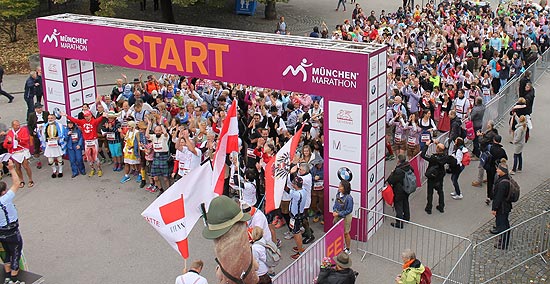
228, 142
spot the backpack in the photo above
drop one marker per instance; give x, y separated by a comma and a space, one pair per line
513, 193
409, 182
433, 172
426, 276
466, 158
272, 253
486, 158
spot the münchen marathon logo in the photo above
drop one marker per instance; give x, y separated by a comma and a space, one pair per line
66, 41
322, 75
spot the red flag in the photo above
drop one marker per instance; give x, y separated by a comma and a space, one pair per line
276, 172
228, 142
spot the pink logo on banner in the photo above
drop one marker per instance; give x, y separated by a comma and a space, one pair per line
334, 240
315, 71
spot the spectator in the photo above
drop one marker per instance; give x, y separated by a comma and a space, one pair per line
435, 174
343, 209
401, 198
258, 250
193, 275
2, 92
341, 274
412, 269
501, 206
519, 142
497, 154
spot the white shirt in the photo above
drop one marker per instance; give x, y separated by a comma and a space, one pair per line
259, 219
187, 160
258, 250
249, 193
191, 277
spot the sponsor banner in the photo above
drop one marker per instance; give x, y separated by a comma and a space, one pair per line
379, 188
86, 65
53, 70
372, 197
345, 117
373, 90
74, 83
373, 112
372, 158
382, 84
50, 106
382, 106
371, 178
345, 146
75, 112
356, 200
73, 66
380, 170
89, 95
55, 92
373, 66
339, 170
301, 69
75, 100
381, 150
382, 63
373, 134
88, 79
381, 129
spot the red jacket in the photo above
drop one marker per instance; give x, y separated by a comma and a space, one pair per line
22, 136
89, 129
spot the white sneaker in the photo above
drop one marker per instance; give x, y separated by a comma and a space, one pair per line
288, 237
287, 233
346, 250
512, 172
453, 193
457, 197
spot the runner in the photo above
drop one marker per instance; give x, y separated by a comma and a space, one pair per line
53, 139
17, 142
89, 127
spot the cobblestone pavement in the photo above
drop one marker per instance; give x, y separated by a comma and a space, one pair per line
525, 241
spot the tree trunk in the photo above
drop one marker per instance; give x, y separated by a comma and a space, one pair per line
13, 31
167, 12
270, 10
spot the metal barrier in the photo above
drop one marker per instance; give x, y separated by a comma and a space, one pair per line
447, 255
512, 248
304, 269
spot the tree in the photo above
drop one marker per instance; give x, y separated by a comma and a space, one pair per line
109, 8
270, 8
12, 13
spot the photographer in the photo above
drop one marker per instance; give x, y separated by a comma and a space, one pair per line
341, 274
10, 237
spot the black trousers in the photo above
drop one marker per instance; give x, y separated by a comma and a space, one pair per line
13, 245
490, 180
435, 185
477, 148
402, 210
4, 93
503, 224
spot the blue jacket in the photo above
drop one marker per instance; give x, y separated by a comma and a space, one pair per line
71, 145
343, 205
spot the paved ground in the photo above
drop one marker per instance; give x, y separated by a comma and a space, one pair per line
89, 230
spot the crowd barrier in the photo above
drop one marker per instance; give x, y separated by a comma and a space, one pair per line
527, 240
439, 250
304, 269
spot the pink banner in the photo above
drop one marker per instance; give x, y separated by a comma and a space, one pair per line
328, 73
334, 240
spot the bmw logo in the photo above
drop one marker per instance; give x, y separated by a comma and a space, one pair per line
345, 174
373, 89
74, 83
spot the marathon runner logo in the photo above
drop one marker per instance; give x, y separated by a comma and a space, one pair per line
344, 116
322, 75
66, 41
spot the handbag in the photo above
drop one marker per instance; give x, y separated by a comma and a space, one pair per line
387, 195
470, 133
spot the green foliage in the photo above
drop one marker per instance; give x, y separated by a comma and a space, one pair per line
110, 8
12, 12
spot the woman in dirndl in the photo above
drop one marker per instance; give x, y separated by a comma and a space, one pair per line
444, 124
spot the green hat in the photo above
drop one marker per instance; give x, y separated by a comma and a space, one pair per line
221, 216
